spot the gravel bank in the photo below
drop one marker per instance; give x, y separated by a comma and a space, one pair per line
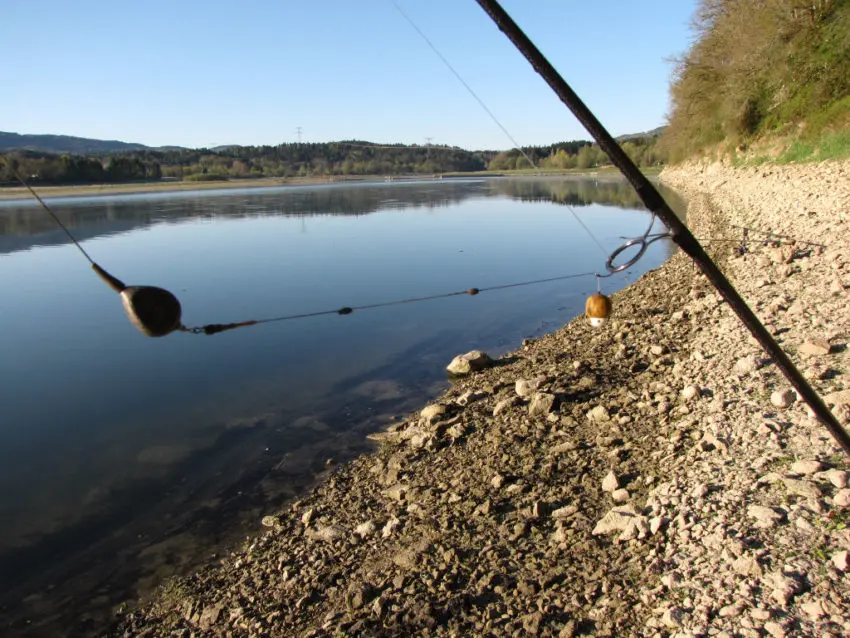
653, 477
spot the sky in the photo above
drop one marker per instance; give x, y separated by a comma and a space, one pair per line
202, 74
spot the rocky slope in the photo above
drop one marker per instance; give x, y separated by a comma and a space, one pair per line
653, 477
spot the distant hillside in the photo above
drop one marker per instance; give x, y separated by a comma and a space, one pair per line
641, 136
760, 72
65, 144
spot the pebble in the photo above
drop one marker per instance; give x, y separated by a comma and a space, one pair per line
841, 560
598, 413
766, 517
806, 468
837, 477
815, 348
842, 498
690, 392
610, 482
620, 496
746, 365
783, 398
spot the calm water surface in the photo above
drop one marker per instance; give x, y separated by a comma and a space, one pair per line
125, 459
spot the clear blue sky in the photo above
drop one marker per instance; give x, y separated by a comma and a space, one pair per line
196, 73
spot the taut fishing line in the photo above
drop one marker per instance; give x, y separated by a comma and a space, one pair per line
653, 200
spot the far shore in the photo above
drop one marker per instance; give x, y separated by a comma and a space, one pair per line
162, 186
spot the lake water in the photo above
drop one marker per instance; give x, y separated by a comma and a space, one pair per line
125, 459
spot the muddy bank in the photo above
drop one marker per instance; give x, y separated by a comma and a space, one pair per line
656, 476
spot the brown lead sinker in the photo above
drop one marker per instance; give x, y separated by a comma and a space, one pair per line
597, 309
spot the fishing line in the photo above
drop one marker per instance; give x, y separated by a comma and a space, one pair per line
50, 212
679, 232
463, 82
644, 241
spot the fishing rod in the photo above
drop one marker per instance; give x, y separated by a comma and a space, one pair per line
655, 203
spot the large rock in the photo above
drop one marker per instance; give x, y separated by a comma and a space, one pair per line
468, 363
616, 520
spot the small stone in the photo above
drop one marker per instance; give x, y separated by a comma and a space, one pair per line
760, 614
599, 413
783, 398
610, 482
564, 512
837, 477
747, 566
655, 524
774, 629
745, 365
390, 527
468, 363
841, 560
765, 517
842, 498
616, 520
700, 490
690, 392
815, 347
802, 488
503, 405
673, 617
307, 516
814, 609
541, 404
432, 412
805, 468
270, 521
365, 529
327, 532
657, 349
621, 495
527, 387
397, 492
497, 481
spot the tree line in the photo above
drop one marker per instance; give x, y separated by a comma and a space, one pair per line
301, 160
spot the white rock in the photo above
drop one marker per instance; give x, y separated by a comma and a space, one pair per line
802, 488
775, 629
690, 392
620, 496
599, 413
815, 347
837, 477
616, 520
503, 405
390, 527
307, 516
270, 521
365, 529
527, 387
655, 524
610, 482
431, 412
468, 363
657, 349
783, 398
842, 498
326, 532
765, 516
814, 609
673, 617
541, 404
745, 365
841, 560
806, 467
497, 481
564, 512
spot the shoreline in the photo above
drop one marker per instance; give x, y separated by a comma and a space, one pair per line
655, 475
20, 193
